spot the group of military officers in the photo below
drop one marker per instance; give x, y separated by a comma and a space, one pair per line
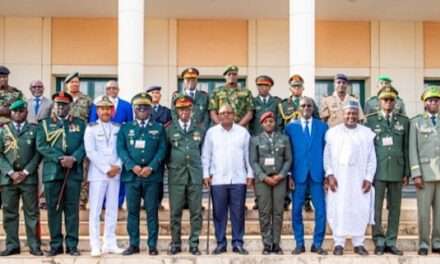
405, 148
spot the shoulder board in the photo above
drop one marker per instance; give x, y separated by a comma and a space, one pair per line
276, 98
417, 116
401, 115
372, 114
285, 100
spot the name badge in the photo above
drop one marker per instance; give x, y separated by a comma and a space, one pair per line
387, 141
269, 161
139, 144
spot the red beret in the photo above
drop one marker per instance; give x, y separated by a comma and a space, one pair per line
266, 116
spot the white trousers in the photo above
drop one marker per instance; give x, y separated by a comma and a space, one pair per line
356, 240
97, 191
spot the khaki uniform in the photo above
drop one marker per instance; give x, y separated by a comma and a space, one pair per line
424, 158
332, 109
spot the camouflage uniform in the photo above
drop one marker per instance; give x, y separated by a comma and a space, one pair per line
80, 108
240, 100
8, 96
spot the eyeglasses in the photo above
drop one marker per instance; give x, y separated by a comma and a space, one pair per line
306, 105
37, 86
111, 87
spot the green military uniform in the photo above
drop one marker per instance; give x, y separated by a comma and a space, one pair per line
199, 111
18, 153
270, 155
391, 143
372, 105
240, 99
424, 157
145, 147
57, 138
185, 175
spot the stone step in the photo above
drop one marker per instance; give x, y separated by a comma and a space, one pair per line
252, 228
228, 258
252, 243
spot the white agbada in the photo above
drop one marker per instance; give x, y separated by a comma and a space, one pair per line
349, 155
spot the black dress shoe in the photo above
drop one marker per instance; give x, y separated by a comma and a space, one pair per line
361, 251
153, 252
130, 251
36, 252
219, 250
298, 250
10, 251
195, 251
338, 251
379, 250
73, 252
308, 207
436, 250
240, 250
423, 252
277, 249
393, 250
54, 251
255, 207
173, 250
267, 250
318, 250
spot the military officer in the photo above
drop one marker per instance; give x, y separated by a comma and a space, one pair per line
391, 143
185, 174
372, 104
80, 108
264, 102
160, 113
60, 142
270, 158
199, 112
19, 162
8, 95
240, 99
289, 107
424, 158
141, 146
331, 108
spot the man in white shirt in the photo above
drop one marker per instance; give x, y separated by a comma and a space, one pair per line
350, 166
104, 177
226, 168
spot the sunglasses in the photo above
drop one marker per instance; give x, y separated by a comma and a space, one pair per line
306, 105
388, 99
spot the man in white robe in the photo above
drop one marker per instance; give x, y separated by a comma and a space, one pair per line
350, 166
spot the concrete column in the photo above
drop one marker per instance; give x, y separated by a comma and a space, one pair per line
130, 47
302, 42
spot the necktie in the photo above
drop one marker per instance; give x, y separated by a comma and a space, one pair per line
307, 129
191, 93
387, 117
434, 120
18, 128
143, 123
185, 127
156, 108
37, 105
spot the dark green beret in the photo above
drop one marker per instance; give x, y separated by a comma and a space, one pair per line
230, 68
17, 105
71, 76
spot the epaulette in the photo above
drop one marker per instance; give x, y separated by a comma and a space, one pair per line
401, 115
372, 114
417, 116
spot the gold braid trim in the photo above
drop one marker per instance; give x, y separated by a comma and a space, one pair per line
287, 118
13, 145
52, 137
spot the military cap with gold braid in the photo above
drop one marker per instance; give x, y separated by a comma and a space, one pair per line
183, 101
17, 105
104, 102
62, 97
190, 73
141, 99
230, 68
264, 80
296, 80
389, 88
387, 92
431, 92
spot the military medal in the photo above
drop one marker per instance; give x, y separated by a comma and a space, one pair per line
196, 136
153, 132
398, 126
131, 133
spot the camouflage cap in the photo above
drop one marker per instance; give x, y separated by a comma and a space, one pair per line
230, 68
17, 105
431, 92
264, 80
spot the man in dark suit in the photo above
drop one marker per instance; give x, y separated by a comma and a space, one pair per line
123, 114
307, 136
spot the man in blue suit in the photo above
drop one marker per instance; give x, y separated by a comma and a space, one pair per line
307, 136
123, 114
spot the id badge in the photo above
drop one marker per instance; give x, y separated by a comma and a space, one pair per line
139, 144
387, 141
269, 161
